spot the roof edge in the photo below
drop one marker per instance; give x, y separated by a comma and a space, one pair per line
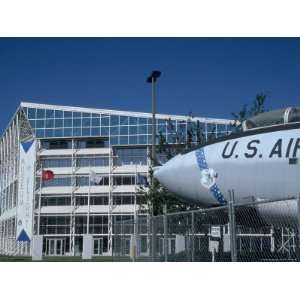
120, 112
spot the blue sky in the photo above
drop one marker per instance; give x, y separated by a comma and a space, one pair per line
208, 77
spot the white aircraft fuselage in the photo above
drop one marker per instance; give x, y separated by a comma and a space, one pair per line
256, 164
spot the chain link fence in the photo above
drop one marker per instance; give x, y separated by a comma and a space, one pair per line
257, 230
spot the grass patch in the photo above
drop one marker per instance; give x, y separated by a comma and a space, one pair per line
65, 259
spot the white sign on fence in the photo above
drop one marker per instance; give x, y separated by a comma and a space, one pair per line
216, 231
25, 191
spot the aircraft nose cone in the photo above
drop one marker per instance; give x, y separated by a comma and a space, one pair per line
165, 174
159, 172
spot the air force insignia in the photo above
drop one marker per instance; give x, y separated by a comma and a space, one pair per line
208, 178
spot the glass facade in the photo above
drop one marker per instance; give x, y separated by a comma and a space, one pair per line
72, 142
120, 129
66, 162
128, 156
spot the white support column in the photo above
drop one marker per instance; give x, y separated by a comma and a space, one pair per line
37, 247
135, 225
87, 249
110, 202
40, 194
73, 203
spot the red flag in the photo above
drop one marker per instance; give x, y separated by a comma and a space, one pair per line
47, 175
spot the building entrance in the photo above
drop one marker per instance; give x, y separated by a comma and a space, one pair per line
98, 247
55, 247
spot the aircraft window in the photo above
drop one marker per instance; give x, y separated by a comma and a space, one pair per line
294, 115
270, 118
250, 124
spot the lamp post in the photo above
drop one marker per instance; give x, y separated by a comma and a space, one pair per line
152, 79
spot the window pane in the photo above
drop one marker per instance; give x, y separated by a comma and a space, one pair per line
68, 132
40, 123
92, 162
114, 140
32, 123
132, 129
56, 163
132, 139
77, 131
123, 140
142, 129
40, 133
86, 122
40, 114
76, 122
96, 122
161, 121
114, 120
49, 133
104, 121
221, 127
104, 131
68, 123
86, 131
95, 131
49, 123
58, 181
76, 114
114, 130
68, 114
171, 127
142, 121
58, 123
123, 120
124, 130
49, 113
132, 121
171, 138
130, 156
58, 132
58, 114
211, 127
161, 128
181, 128
31, 113
142, 139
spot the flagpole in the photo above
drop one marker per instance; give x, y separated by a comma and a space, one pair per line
135, 216
89, 198
40, 199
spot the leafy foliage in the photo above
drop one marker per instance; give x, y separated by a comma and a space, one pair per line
156, 195
257, 107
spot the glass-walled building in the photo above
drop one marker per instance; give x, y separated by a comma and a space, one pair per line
69, 171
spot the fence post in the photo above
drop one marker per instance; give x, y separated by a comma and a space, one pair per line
134, 246
231, 214
153, 238
148, 236
165, 233
193, 236
298, 228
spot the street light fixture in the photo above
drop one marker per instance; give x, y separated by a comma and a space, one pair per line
152, 79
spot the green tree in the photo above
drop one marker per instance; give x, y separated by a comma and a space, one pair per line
155, 195
257, 107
